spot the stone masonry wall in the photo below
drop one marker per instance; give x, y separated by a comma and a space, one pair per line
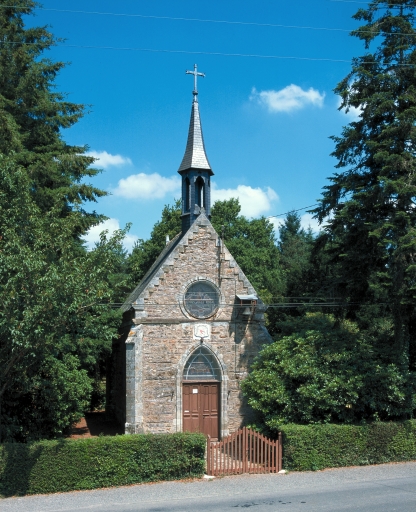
162, 335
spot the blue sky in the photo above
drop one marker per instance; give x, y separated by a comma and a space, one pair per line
266, 121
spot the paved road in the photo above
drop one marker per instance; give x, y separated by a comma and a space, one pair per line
385, 488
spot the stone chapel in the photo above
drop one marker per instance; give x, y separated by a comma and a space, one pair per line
192, 326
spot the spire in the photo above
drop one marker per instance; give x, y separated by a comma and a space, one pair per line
195, 156
195, 169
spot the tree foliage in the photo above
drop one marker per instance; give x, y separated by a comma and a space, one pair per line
252, 243
55, 319
295, 246
33, 115
369, 207
54, 315
323, 370
145, 252
361, 366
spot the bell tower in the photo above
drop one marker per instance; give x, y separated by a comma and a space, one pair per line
195, 169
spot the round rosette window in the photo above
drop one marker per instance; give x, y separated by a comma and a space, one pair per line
202, 299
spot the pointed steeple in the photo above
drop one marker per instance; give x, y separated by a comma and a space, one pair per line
195, 156
195, 168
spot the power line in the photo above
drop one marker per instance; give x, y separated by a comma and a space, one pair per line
292, 211
199, 20
221, 54
218, 54
316, 302
383, 5
202, 20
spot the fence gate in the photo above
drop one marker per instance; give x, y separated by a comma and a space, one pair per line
244, 451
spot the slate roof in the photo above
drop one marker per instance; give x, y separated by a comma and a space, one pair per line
195, 156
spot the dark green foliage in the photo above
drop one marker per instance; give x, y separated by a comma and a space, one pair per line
371, 231
299, 277
323, 370
145, 252
47, 400
33, 114
253, 244
56, 324
68, 465
313, 447
295, 246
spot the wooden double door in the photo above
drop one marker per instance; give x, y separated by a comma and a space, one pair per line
201, 408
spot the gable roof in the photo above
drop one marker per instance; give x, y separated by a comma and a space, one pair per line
167, 258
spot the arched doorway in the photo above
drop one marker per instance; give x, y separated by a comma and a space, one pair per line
201, 393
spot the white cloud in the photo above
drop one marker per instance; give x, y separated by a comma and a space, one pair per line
253, 201
307, 221
147, 186
111, 225
353, 112
277, 222
106, 160
288, 99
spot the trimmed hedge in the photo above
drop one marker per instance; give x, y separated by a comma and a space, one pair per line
313, 447
67, 465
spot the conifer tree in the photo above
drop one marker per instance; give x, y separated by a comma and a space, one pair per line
33, 114
56, 321
295, 246
369, 206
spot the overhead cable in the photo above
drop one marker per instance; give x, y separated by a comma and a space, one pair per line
292, 211
154, 50
187, 52
201, 20
383, 5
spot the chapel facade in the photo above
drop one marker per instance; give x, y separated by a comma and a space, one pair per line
192, 326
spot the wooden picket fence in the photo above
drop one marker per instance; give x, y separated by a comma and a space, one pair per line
244, 451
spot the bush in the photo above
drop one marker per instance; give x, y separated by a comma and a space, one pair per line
326, 371
313, 447
67, 465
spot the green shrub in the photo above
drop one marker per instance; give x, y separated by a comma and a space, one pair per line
312, 447
66, 465
322, 370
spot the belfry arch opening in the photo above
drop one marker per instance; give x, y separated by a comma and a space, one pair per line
200, 192
187, 194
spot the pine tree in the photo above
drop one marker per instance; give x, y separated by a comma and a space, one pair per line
56, 320
295, 246
370, 205
33, 115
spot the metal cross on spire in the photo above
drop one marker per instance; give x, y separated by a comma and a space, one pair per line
196, 75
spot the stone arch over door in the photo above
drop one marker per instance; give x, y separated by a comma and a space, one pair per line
222, 377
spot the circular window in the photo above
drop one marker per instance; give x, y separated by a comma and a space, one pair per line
202, 299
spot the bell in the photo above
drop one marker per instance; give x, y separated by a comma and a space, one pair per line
247, 311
